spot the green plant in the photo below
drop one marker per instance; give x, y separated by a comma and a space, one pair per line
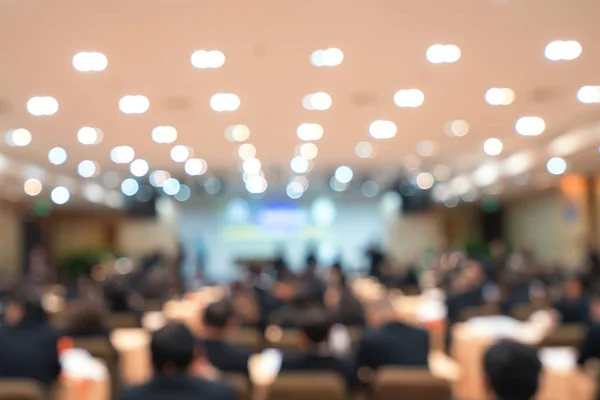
81, 261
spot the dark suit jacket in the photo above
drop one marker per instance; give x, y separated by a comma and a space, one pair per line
395, 344
590, 347
573, 311
179, 387
313, 362
29, 350
227, 357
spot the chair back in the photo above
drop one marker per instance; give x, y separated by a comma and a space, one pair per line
392, 383
480, 311
570, 335
308, 386
246, 337
523, 311
284, 339
122, 320
240, 383
20, 389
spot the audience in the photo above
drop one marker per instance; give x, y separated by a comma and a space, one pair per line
86, 318
391, 342
28, 344
173, 352
573, 307
218, 320
512, 371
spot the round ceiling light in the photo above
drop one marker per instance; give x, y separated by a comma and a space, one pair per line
139, 167
440, 53
134, 104
90, 61
60, 195
319, 101
57, 155
327, 58
164, 134
195, 166
309, 131
381, 129
42, 106
204, 59
223, 102
493, 146
530, 126
88, 135
409, 98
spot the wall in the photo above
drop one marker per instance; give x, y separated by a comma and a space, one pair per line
10, 239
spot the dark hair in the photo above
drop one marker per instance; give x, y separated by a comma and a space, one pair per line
316, 323
173, 345
30, 299
512, 369
86, 318
218, 314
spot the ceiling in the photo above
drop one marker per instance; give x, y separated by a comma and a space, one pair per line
267, 45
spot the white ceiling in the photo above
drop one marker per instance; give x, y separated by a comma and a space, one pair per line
268, 44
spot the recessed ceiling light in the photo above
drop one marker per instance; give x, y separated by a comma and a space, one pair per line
122, 154
222, 102
562, 50
134, 104
338, 186
486, 174
556, 166
57, 155
382, 129
164, 134
171, 186
499, 96
517, 164
327, 58
427, 148
159, 177
88, 135
309, 151
130, 187
246, 151
440, 53
204, 59
139, 167
237, 133
319, 101
195, 166
364, 150
457, 128
18, 137
251, 166
88, 169
530, 126
294, 190
302, 180
184, 193
409, 98
90, 61
42, 106
180, 153
589, 94
424, 180
309, 131
32, 187
493, 146
256, 184
343, 174
299, 165
60, 195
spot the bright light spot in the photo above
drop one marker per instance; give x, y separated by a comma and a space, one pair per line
222, 102
589, 94
338, 186
439, 53
302, 180
139, 167
556, 166
369, 188
195, 166
246, 151
204, 59
451, 201
499, 96
327, 58
251, 166
457, 128
90, 61
237, 133
93, 192
530, 126
427, 148
171, 186
164, 134
134, 104
409, 98
213, 185
42, 106
18, 137
486, 174
299, 165
309, 151
256, 184
343, 174
493, 146
184, 193
88, 135
294, 190
517, 164
323, 211
57, 155
122, 154
319, 101
470, 196
425, 180
130, 187
460, 185
32, 187
364, 150
180, 153
442, 173
60, 195
563, 50
87, 169
309, 131
159, 177
382, 129
391, 203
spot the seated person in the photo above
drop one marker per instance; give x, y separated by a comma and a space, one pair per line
590, 347
512, 371
342, 303
391, 342
468, 291
28, 343
85, 318
316, 324
218, 320
174, 351
573, 306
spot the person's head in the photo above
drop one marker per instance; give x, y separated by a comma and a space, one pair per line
24, 303
573, 288
311, 262
173, 349
85, 317
512, 370
315, 324
380, 312
474, 273
218, 316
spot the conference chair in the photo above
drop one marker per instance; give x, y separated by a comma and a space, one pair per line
20, 389
247, 337
480, 311
393, 383
284, 339
123, 320
307, 386
570, 335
